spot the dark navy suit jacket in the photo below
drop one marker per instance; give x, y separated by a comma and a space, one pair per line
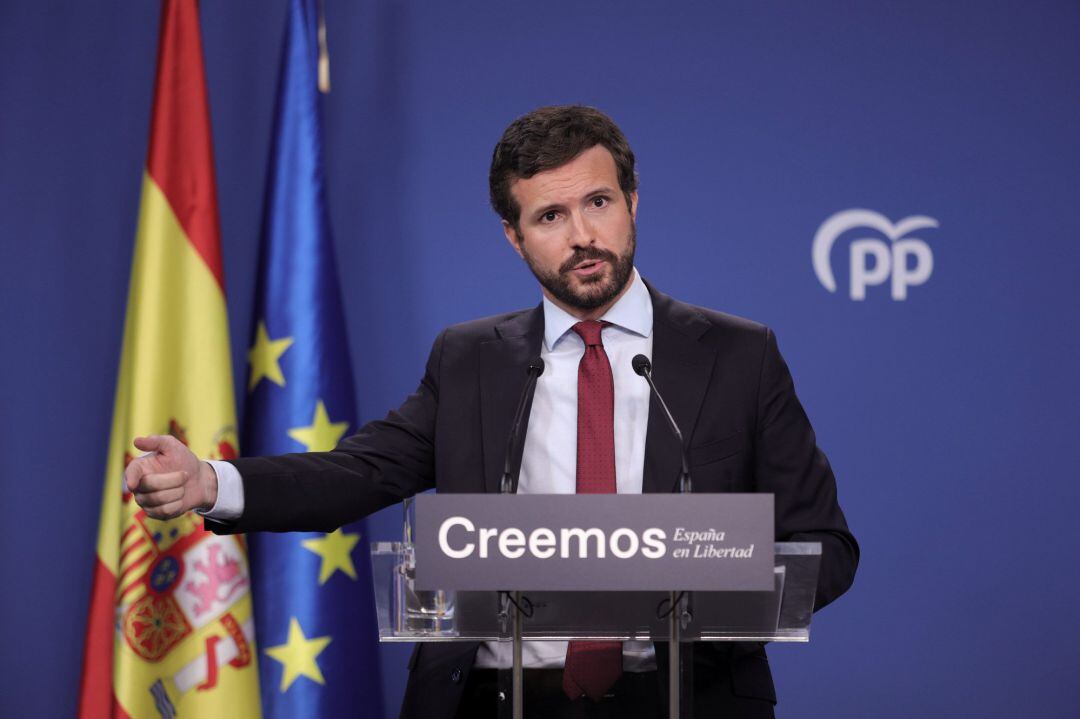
726, 385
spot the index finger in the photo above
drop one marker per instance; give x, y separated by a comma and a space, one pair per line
151, 443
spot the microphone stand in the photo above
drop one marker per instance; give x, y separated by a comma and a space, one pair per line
679, 613
512, 463
508, 485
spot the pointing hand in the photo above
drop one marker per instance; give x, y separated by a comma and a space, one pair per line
169, 480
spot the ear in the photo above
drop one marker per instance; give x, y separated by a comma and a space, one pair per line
633, 204
512, 237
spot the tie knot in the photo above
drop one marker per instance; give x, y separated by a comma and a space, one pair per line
589, 331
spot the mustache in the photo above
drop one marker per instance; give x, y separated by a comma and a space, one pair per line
587, 253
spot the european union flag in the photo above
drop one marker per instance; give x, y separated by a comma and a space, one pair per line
314, 615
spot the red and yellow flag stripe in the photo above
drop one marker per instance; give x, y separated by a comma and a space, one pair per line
170, 625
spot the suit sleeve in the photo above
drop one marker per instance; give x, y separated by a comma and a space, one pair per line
384, 462
789, 464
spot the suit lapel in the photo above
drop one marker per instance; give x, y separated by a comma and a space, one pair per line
682, 367
503, 364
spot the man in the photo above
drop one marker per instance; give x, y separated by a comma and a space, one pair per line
563, 181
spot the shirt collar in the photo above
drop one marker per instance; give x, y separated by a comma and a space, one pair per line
633, 312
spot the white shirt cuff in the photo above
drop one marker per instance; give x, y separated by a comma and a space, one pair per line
230, 493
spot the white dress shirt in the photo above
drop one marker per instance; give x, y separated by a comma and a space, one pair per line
549, 460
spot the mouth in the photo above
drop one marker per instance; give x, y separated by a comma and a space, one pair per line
588, 267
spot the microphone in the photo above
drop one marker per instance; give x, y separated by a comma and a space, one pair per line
643, 367
512, 468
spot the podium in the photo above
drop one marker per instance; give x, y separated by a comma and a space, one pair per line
408, 614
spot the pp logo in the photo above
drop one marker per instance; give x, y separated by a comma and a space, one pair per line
908, 261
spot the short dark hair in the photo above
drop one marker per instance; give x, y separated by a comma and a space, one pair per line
547, 138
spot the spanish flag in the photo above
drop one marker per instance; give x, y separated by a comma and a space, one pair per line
170, 630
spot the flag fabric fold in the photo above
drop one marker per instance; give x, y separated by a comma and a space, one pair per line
170, 630
313, 597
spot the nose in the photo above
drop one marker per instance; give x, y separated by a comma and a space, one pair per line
582, 233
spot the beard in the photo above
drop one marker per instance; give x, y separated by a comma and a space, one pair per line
596, 291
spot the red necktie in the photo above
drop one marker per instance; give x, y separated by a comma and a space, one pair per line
593, 667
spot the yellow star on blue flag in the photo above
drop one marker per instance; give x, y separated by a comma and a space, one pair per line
298, 656
264, 358
335, 549
321, 435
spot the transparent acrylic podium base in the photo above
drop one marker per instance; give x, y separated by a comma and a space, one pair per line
407, 615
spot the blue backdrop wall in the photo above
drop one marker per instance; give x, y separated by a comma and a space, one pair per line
949, 416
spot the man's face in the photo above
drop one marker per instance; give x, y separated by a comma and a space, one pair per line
576, 232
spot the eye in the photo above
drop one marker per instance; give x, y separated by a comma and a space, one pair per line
599, 201
549, 216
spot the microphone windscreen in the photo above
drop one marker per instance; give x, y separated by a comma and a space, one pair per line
641, 364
